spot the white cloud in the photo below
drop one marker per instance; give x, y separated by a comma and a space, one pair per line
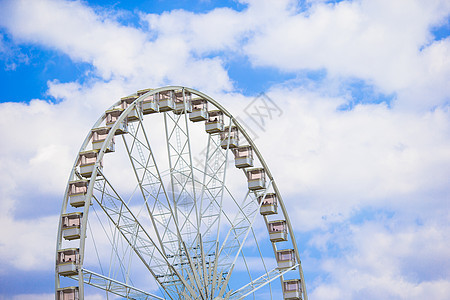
75, 29
115, 50
390, 261
378, 41
335, 162
387, 44
28, 244
330, 165
219, 29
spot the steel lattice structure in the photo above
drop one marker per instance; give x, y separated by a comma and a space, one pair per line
158, 206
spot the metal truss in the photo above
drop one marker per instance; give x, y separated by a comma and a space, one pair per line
137, 237
176, 222
259, 282
116, 287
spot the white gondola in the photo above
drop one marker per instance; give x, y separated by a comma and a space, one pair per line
98, 138
71, 224
199, 110
67, 261
243, 157
134, 115
292, 289
77, 192
126, 101
269, 205
142, 92
150, 105
229, 137
182, 103
256, 179
111, 117
87, 162
214, 123
278, 231
68, 293
285, 258
165, 101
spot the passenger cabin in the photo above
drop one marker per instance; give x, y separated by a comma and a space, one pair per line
150, 105
292, 289
87, 160
165, 100
229, 137
98, 138
112, 116
243, 157
126, 101
142, 92
71, 224
278, 231
133, 116
77, 192
214, 123
256, 179
67, 261
269, 205
182, 101
199, 110
285, 258
68, 293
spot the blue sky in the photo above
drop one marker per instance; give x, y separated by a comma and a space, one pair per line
364, 132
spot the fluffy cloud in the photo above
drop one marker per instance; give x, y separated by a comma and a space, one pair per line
386, 260
28, 244
332, 165
386, 43
115, 50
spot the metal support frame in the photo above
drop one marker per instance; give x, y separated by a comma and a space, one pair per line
259, 282
187, 256
116, 287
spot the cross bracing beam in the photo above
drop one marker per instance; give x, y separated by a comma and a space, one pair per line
114, 286
181, 175
139, 240
259, 282
152, 188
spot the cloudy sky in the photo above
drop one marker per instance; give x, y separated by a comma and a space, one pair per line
360, 147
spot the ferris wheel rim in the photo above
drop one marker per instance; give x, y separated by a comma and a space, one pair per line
124, 115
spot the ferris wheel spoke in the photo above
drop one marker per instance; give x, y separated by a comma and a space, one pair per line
212, 185
241, 227
262, 260
116, 287
138, 238
214, 174
237, 227
211, 203
152, 188
181, 174
260, 282
114, 245
246, 210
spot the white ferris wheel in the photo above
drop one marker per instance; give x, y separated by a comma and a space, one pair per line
169, 198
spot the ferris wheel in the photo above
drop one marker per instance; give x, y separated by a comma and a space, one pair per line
169, 198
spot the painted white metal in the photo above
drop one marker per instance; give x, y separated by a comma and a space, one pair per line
187, 255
